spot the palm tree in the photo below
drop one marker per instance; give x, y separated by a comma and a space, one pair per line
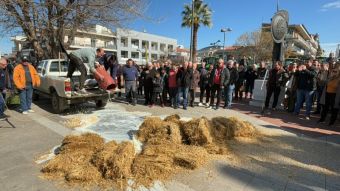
201, 16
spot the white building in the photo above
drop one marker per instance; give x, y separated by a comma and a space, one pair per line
140, 46
337, 52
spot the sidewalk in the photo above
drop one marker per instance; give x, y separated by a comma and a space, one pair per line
289, 121
19, 148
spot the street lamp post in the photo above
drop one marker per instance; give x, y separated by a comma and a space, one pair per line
224, 30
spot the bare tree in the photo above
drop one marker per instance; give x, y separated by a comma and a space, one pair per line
45, 22
256, 44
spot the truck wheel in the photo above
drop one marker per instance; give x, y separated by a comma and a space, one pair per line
56, 103
101, 103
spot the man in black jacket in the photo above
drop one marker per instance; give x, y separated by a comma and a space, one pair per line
230, 86
306, 85
147, 76
218, 79
277, 78
4, 85
183, 78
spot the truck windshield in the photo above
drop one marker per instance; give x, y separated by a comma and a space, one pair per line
54, 67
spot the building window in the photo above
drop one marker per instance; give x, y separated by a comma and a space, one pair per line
93, 42
162, 47
124, 54
110, 45
145, 44
135, 55
154, 56
135, 43
144, 55
124, 42
154, 46
170, 48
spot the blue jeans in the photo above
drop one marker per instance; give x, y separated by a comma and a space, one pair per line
2, 103
183, 92
228, 95
304, 95
26, 98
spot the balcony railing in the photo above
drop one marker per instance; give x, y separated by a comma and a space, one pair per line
94, 45
81, 44
134, 46
111, 46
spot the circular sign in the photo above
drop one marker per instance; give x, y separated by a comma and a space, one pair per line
279, 27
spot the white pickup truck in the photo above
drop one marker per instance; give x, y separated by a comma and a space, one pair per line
55, 85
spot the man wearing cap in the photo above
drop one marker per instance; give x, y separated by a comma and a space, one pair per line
25, 77
79, 58
4, 84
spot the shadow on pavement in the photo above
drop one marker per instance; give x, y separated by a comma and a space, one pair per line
289, 121
284, 162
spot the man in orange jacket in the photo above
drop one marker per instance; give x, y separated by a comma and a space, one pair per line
25, 77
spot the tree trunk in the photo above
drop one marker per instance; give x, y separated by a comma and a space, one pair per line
194, 46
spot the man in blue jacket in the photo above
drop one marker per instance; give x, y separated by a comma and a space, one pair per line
130, 75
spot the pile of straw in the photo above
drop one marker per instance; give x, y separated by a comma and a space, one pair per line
80, 121
228, 128
169, 147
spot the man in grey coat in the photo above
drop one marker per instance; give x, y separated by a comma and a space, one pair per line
81, 57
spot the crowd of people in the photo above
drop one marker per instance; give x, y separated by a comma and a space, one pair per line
170, 84
217, 84
305, 83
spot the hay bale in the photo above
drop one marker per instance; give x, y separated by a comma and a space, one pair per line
228, 128
88, 141
73, 163
154, 163
117, 163
152, 128
197, 132
156, 131
175, 135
